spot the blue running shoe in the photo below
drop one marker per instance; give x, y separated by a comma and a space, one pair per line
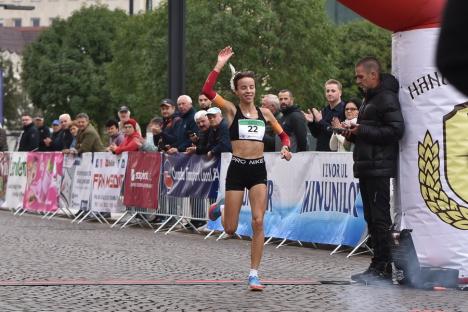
254, 283
214, 212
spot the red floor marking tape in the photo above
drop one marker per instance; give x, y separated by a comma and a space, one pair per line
149, 282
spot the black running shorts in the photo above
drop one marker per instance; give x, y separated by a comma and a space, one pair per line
245, 173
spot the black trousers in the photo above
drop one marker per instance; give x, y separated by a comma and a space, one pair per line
375, 192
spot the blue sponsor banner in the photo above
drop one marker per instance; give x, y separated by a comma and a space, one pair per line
194, 176
313, 198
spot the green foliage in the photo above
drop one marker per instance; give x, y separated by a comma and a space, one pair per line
64, 71
358, 40
275, 38
14, 100
138, 73
98, 60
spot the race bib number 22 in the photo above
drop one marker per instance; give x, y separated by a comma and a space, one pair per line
251, 129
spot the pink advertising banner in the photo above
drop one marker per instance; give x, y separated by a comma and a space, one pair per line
44, 173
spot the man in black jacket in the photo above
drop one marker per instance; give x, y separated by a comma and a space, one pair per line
44, 134
218, 135
200, 139
379, 127
293, 121
319, 122
187, 125
30, 137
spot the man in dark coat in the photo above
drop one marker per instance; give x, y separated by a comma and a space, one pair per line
293, 121
186, 126
44, 134
30, 137
379, 127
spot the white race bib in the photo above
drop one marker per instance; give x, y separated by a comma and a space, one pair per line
251, 129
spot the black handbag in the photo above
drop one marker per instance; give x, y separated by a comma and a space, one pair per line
408, 271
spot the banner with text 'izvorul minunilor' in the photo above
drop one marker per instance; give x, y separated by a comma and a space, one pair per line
310, 198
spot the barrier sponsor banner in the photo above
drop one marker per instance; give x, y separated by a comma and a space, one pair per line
44, 174
142, 180
82, 183
194, 176
311, 199
70, 163
107, 180
16, 180
433, 180
4, 168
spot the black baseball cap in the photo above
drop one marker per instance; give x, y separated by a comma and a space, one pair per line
167, 102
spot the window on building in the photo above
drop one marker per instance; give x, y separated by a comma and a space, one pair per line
35, 21
17, 22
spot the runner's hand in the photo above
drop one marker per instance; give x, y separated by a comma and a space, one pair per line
285, 153
223, 57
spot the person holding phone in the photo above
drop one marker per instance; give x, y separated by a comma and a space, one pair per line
338, 142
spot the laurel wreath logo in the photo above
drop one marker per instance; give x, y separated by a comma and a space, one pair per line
434, 196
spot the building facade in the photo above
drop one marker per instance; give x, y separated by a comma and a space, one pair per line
45, 11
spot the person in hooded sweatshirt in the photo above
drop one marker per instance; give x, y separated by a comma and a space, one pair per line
293, 121
131, 139
375, 135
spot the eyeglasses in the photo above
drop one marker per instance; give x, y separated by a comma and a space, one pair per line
350, 109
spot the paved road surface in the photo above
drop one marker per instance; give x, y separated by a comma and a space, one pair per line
56, 250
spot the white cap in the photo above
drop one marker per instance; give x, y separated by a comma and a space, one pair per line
213, 111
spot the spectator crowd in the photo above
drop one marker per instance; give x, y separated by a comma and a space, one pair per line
182, 129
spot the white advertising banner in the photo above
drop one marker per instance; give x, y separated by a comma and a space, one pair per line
433, 174
70, 163
107, 181
82, 184
16, 184
310, 198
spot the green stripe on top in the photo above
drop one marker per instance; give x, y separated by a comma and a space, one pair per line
251, 122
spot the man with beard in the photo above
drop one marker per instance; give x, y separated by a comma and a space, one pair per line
293, 121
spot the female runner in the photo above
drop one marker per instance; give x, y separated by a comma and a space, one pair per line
247, 168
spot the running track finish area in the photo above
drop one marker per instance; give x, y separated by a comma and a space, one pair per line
58, 266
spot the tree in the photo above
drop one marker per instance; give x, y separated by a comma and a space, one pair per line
360, 39
264, 34
64, 71
14, 100
138, 72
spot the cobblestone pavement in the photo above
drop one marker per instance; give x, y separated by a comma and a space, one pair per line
36, 249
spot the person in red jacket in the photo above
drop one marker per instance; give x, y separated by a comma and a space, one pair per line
130, 143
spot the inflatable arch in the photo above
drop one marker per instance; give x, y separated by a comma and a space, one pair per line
433, 176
